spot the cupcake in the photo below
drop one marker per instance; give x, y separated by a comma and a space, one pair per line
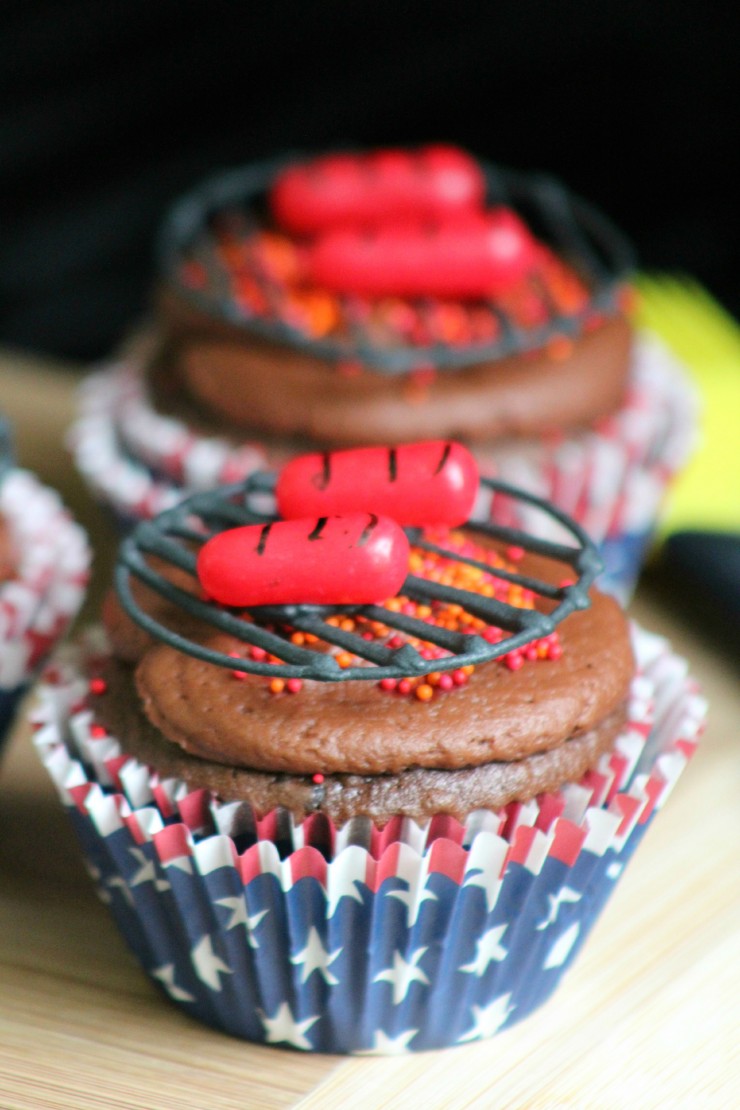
348, 824
44, 560
391, 296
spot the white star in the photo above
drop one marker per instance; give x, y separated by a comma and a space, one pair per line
403, 974
239, 916
384, 1045
335, 893
560, 950
487, 1020
166, 976
413, 898
315, 957
489, 879
564, 895
614, 870
117, 882
284, 1028
208, 966
487, 949
147, 872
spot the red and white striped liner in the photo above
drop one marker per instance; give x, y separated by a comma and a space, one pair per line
666, 718
50, 578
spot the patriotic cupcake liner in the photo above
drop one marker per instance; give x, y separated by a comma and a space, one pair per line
48, 585
359, 939
612, 479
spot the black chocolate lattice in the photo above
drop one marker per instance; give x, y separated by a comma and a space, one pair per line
176, 535
576, 231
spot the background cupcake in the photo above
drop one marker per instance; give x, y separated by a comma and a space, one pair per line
407, 927
279, 326
44, 561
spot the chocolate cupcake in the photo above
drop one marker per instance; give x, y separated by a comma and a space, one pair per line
385, 297
44, 561
361, 826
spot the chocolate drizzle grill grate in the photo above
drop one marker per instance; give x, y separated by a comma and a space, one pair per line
576, 231
175, 536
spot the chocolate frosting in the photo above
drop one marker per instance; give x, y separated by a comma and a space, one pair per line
415, 793
355, 728
259, 386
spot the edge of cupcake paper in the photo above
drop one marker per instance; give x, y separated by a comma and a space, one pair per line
427, 935
45, 593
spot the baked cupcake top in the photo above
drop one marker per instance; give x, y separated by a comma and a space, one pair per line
491, 652
446, 298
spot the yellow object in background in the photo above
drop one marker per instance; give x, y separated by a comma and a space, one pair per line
706, 339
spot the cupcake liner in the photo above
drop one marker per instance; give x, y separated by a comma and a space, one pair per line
46, 590
612, 479
406, 938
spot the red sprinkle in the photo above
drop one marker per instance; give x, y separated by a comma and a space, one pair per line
293, 685
98, 686
318, 778
97, 732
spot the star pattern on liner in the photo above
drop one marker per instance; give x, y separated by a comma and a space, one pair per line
314, 957
560, 950
487, 949
614, 870
487, 1020
489, 880
566, 895
413, 898
147, 872
283, 1028
117, 882
166, 975
208, 966
336, 893
237, 907
383, 1045
403, 973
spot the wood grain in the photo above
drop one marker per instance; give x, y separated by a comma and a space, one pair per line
647, 1018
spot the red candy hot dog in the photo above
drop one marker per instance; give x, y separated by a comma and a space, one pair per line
339, 560
479, 257
419, 484
351, 190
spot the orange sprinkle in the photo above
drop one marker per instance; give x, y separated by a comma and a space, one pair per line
424, 691
277, 685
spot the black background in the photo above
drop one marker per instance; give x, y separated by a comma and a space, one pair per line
108, 110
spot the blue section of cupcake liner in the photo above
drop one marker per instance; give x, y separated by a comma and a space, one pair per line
9, 700
624, 555
376, 972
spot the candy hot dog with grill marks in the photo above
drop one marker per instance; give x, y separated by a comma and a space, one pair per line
418, 484
353, 190
355, 559
477, 257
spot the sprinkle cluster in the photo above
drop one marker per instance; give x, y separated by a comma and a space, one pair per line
441, 569
261, 271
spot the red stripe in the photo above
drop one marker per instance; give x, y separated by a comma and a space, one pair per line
567, 842
448, 858
172, 843
308, 863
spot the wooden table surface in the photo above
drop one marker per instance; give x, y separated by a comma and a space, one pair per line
648, 1017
